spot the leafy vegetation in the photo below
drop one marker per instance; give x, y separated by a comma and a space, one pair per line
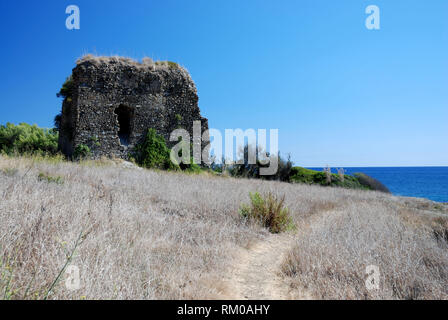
357, 181
252, 170
66, 93
81, 151
269, 211
371, 183
153, 152
288, 173
347, 181
308, 176
27, 139
191, 167
67, 88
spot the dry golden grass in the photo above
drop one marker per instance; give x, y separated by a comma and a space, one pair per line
409, 248
158, 235
147, 234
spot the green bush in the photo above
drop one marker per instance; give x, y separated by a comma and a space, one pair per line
153, 152
67, 88
371, 183
284, 169
246, 169
27, 139
66, 93
252, 170
191, 166
308, 176
81, 151
269, 211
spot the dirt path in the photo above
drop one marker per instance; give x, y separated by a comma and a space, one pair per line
256, 275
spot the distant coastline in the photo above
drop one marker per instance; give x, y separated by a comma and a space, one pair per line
421, 182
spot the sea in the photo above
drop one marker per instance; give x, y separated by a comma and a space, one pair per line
423, 182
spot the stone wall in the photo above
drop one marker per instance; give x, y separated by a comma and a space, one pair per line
114, 101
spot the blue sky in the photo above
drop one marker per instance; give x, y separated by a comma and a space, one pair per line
339, 94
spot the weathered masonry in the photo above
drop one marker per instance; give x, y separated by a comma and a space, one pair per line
113, 101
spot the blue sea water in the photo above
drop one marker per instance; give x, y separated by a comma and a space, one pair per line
422, 182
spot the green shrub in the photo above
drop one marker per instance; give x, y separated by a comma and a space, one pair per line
67, 88
347, 182
153, 152
50, 179
28, 139
246, 169
252, 170
371, 183
192, 167
307, 176
269, 211
81, 151
284, 169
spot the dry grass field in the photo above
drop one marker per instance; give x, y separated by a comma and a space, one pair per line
140, 234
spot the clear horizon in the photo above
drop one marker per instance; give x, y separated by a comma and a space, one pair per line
340, 94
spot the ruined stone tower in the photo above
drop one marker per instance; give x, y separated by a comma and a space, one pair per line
112, 102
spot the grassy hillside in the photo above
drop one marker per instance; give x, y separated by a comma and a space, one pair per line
308, 176
142, 234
